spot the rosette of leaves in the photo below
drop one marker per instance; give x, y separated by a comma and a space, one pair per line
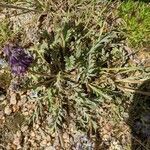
76, 64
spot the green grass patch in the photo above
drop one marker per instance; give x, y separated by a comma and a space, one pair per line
5, 31
136, 18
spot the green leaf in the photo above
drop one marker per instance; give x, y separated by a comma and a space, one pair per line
70, 63
99, 92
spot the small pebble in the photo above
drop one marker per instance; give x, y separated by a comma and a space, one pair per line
7, 110
38, 137
13, 100
2, 97
25, 113
43, 143
32, 134
24, 128
48, 144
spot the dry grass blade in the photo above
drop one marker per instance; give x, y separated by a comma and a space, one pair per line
130, 81
16, 7
140, 143
128, 89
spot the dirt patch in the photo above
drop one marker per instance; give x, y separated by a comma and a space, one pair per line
11, 125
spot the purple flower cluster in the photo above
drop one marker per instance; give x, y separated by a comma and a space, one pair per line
18, 59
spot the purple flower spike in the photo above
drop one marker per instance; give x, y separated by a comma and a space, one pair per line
18, 59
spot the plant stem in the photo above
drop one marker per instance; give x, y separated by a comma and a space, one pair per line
40, 74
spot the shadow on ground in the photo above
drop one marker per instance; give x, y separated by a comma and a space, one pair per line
139, 118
